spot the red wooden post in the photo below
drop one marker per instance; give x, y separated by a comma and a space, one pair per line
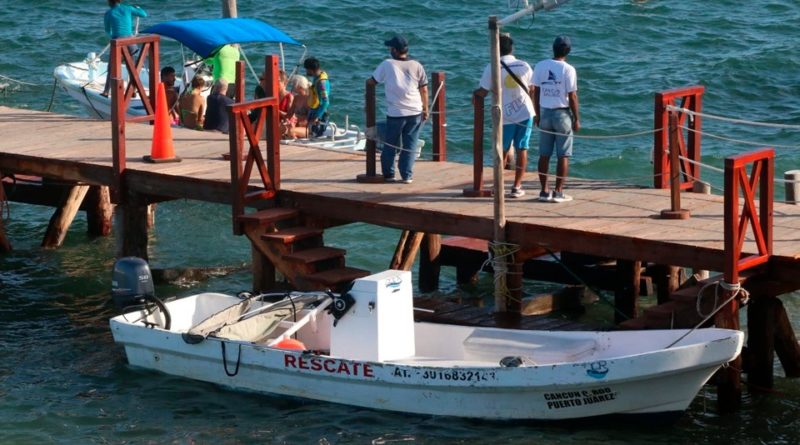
692, 99
236, 145
118, 109
675, 211
760, 222
369, 109
439, 118
273, 138
477, 189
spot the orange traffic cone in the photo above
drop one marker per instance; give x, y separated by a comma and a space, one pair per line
162, 149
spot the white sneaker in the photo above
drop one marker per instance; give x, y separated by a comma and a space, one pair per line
516, 192
545, 196
561, 197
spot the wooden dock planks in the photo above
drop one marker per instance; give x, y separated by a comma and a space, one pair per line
605, 218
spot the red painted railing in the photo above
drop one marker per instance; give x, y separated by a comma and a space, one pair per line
439, 117
240, 128
121, 95
478, 105
758, 218
691, 98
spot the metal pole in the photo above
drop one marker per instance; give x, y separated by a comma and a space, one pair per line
229, 8
500, 263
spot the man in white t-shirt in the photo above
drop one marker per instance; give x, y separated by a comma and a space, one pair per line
406, 90
555, 99
517, 87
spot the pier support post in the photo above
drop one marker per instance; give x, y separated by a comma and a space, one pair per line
429, 266
668, 279
786, 345
626, 293
263, 271
792, 186
100, 211
132, 228
5, 245
761, 342
63, 216
406, 250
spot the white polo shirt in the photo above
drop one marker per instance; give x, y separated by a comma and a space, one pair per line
402, 80
555, 79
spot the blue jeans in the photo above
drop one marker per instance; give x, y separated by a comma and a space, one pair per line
400, 132
557, 120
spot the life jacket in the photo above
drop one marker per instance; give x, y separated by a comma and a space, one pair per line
313, 94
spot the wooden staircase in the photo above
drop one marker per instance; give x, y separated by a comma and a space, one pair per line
298, 251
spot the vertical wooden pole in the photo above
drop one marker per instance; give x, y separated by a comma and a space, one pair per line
500, 285
229, 8
236, 144
273, 123
514, 283
786, 345
5, 244
675, 211
792, 186
132, 220
761, 342
439, 118
372, 134
263, 271
100, 211
118, 110
626, 294
668, 279
429, 266
477, 148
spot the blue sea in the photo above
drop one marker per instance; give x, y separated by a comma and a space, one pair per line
63, 381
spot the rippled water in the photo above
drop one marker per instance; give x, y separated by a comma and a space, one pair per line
63, 381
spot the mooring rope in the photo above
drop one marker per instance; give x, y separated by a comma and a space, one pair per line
500, 256
737, 290
740, 141
732, 120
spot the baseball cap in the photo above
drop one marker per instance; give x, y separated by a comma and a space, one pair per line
562, 42
397, 42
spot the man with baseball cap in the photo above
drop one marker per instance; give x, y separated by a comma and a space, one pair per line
555, 100
406, 91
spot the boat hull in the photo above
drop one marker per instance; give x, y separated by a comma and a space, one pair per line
84, 84
657, 382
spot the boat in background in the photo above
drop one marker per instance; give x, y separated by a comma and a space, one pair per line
363, 348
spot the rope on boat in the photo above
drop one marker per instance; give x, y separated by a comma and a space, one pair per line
22, 82
736, 289
500, 256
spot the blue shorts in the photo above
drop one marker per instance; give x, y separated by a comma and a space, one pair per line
558, 120
519, 133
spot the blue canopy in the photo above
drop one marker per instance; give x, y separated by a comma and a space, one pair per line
205, 36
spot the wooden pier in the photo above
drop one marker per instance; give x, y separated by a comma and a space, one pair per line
299, 191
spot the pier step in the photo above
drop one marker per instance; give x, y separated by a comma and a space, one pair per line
298, 251
268, 217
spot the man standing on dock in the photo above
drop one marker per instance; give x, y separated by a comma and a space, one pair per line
555, 101
118, 22
406, 91
517, 107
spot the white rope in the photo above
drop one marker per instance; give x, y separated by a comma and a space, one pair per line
612, 136
740, 141
737, 290
500, 255
728, 119
21, 82
692, 161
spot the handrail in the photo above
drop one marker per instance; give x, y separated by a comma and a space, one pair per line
478, 114
241, 127
121, 96
736, 178
692, 99
372, 135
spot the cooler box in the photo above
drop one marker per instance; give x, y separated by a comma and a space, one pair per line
380, 326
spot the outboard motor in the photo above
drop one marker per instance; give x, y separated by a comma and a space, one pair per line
132, 286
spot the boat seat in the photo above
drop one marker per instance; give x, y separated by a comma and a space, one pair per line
542, 349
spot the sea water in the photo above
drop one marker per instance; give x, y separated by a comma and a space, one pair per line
62, 380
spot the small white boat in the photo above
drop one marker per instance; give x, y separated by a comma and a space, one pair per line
369, 352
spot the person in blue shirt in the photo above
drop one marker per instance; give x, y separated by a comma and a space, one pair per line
118, 22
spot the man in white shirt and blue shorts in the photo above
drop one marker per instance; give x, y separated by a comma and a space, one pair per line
555, 100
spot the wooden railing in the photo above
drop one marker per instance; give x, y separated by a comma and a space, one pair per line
758, 218
478, 105
121, 95
691, 98
240, 127
439, 117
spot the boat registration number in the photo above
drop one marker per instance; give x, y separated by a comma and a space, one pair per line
452, 375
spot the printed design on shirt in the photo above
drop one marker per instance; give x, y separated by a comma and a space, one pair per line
552, 86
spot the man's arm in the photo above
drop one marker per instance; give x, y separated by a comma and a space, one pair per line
575, 107
535, 96
423, 93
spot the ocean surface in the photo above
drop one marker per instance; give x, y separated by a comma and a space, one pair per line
62, 380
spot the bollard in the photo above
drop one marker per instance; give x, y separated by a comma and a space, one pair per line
792, 186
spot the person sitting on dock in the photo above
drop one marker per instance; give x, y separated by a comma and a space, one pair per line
168, 78
517, 107
406, 90
193, 105
217, 107
555, 100
118, 23
318, 97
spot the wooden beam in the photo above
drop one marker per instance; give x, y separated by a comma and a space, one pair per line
99, 211
263, 271
667, 280
786, 345
406, 251
626, 294
761, 342
132, 222
5, 245
429, 262
63, 216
